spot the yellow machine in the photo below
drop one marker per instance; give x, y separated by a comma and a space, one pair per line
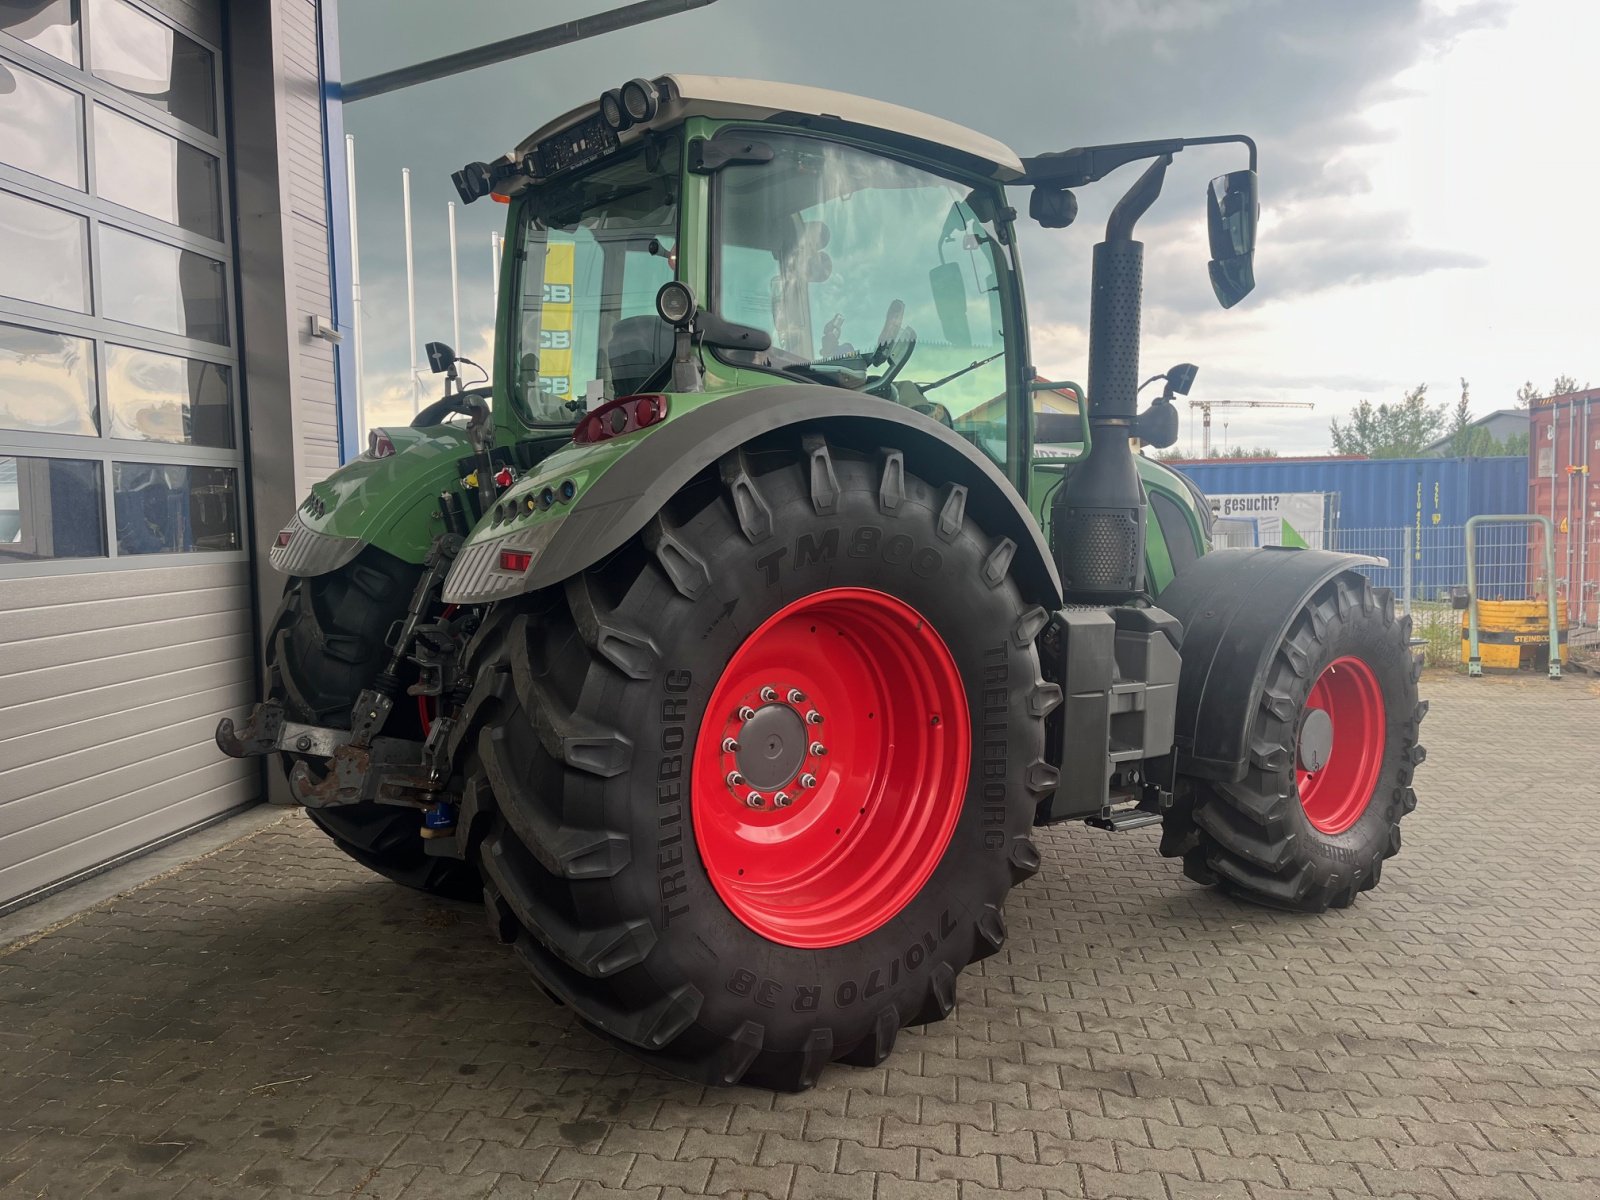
1513, 634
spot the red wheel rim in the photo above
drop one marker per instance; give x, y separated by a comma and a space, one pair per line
844, 715
1337, 766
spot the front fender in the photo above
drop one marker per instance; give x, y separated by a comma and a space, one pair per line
622, 484
390, 502
1235, 607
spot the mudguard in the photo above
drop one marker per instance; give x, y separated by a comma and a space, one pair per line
1235, 607
390, 502
617, 486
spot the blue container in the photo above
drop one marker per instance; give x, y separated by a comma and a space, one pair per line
1373, 501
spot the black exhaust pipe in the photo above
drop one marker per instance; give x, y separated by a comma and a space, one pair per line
1098, 516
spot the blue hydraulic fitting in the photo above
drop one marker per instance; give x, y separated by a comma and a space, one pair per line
440, 819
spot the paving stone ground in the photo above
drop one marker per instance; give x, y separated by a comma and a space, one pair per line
271, 1021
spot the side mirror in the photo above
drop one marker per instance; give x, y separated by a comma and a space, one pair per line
440, 357
1181, 378
1232, 206
1053, 208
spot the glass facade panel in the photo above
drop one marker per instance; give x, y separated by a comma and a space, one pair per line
164, 398
143, 169
46, 382
46, 254
50, 508
48, 25
41, 126
164, 508
133, 51
150, 283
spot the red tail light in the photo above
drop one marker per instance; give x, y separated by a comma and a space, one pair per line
379, 445
626, 414
285, 536
516, 561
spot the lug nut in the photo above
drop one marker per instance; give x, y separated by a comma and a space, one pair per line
781, 800
808, 781
746, 713
735, 779
754, 800
796, 696
769, 694
818, 749
813, 717
730, 746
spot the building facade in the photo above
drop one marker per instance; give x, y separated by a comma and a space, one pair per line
168, 387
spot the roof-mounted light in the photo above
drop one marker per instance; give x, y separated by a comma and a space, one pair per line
612, 112
640, 100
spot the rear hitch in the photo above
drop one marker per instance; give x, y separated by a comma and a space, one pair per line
268, 729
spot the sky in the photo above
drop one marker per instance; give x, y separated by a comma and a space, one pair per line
1429, 171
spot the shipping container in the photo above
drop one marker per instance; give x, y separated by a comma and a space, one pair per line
1564, 447
1409, 511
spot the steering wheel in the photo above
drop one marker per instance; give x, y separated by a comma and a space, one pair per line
896, 344
449, 406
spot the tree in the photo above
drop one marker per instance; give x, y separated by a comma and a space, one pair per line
1462, 434
1399, 430
1175, 455
1560, 386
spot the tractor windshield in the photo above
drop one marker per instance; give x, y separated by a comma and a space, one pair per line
869, 274
594, 252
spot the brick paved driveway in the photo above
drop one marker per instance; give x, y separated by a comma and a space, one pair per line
272, 1021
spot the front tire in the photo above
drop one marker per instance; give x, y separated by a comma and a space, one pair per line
1333, 746
327, 643
722, 940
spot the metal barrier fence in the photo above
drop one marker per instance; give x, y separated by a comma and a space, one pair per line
1429, 564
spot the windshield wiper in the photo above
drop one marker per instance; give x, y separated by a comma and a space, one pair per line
925, 388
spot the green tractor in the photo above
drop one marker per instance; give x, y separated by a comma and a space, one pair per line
733, 643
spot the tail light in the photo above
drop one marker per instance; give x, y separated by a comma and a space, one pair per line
627, 414
379, 445
515, 562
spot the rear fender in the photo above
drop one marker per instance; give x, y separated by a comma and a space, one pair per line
621, 484
391, 503
1235, 607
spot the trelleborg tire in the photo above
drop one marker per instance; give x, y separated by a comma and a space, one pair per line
811, 622
1333, 746
326, 644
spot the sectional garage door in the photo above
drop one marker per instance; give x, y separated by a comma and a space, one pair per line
125, 612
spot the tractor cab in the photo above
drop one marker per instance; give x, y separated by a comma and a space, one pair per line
826, 239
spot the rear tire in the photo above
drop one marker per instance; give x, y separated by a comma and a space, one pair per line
1291, 838
327, 643
588, 793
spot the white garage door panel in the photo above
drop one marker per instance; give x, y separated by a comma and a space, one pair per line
90, 743
85, 649
28, 875
95, 615
114, 684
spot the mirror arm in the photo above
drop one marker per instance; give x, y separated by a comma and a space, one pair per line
1086, 164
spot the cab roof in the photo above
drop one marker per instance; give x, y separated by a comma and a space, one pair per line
726, 98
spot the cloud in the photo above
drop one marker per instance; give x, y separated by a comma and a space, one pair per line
1303, 78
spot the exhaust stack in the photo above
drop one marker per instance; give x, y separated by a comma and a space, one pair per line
1098, 515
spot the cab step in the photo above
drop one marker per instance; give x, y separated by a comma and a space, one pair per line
1121, 822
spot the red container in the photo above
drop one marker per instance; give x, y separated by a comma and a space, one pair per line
1564, 485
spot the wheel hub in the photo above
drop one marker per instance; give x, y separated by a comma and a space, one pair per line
1316, 740
772, 746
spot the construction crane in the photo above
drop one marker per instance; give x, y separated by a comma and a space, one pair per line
1205, 407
